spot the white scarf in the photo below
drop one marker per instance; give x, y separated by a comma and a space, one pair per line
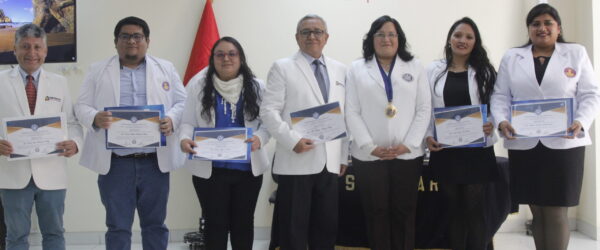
230, 91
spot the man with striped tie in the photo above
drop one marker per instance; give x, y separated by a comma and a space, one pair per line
29, 90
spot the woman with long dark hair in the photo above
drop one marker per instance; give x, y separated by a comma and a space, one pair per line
388, 108
464, 77
546, 173
226, 94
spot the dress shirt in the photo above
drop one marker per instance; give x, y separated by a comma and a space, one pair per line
133, 93
36, 76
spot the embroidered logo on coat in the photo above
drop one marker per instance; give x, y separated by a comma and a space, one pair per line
52, 98
570, 72
166, 86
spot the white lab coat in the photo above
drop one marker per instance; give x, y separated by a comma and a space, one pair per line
292, 86
437, 94
102, 89
367, 100
192, 119
53, 98
517, 81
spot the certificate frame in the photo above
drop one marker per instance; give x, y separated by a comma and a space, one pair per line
442, 115
220, 134
332, 111
557, 105
14, 126
124, 110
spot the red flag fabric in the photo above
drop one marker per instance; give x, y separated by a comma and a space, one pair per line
206, 36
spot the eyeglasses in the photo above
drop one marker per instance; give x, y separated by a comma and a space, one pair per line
317, 33
388, 35
231, 54
137, 37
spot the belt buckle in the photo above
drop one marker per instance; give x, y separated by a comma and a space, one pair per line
140, 155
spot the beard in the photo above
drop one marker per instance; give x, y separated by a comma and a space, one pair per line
132, 57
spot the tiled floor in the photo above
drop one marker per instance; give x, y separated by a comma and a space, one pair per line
502, 241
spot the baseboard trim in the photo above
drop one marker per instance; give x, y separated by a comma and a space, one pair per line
587, 229
97, 238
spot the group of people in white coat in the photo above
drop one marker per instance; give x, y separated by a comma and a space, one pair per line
387, 98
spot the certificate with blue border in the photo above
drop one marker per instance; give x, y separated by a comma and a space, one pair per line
542, 118
35, 136
460, 126
222, 144
135, 127
321, 123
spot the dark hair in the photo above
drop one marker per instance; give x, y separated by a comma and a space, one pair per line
132, 21
485, 74
542, 9
368, 44
249, 90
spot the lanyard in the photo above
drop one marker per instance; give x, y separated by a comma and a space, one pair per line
387, 80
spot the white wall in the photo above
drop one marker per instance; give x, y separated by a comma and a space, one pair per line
266, 30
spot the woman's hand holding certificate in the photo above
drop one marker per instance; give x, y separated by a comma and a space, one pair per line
221, 144
542, 118
459, 127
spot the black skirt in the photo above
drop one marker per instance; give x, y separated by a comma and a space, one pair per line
464, 165
546, 177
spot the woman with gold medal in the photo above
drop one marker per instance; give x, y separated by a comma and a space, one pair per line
388, 109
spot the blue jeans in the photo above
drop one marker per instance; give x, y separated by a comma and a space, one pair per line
135, 183
49, 206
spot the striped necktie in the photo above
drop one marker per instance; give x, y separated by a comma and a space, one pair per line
321, 80
31, 93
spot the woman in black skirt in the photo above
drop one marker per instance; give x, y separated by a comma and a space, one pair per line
547, 172
465, 77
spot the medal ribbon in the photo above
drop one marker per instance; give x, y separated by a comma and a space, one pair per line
387, 80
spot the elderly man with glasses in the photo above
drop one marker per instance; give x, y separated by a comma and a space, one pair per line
307, 201
132, 179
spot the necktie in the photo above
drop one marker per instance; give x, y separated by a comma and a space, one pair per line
31, 93
321, 80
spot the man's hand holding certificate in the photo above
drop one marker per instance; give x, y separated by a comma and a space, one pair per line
542, 118
321, 123
134, 127
35, 137
460, 126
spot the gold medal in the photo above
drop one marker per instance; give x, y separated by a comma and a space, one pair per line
390, 110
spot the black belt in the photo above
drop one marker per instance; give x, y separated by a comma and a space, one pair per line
135, 155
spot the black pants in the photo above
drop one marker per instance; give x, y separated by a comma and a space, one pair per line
228, 200
388, 193
2, 229
307, 208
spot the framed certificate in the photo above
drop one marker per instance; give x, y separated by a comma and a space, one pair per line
135, 127
222, 144
542, 118
460, 126
35, 136
321, 123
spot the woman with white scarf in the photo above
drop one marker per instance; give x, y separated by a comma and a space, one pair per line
226, 94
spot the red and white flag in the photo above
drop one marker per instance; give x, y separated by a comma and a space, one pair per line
206, 36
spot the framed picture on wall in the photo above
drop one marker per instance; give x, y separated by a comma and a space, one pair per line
56, 17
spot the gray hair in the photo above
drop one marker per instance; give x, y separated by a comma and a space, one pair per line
30, 30
311, 16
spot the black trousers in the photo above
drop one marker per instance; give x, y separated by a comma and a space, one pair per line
388, 193
307, 209
228, 200
2, 229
